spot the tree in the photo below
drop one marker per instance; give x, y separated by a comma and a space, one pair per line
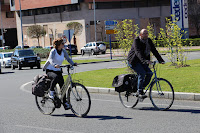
171, 37
77, 27
36, 31
194, 14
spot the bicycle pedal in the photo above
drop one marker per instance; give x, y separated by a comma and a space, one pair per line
141, 99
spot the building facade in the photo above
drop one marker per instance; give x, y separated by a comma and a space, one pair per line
8, 25
56, 14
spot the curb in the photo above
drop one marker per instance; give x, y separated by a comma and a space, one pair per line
178, 95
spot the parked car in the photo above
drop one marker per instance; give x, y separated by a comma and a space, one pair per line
0, 67
32, 47
5, 59
94, 48
73, 48
20, 47
24, 58
48, 47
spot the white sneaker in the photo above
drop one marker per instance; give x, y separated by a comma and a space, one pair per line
51, 94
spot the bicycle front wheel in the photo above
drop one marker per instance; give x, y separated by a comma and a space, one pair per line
45, 104
79, 100
128, 99
161, 94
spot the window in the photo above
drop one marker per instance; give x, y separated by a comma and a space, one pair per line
90, 44
9, 14
73, 7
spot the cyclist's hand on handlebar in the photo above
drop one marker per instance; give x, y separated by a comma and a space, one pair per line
150, 62
75, 64
57, 66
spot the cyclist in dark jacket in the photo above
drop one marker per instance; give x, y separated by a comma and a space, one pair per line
139, 59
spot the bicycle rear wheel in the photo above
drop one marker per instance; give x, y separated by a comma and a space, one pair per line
128, 99
45, 104
161, 94
79, 100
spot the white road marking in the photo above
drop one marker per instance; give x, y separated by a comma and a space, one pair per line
47, 129
23, 87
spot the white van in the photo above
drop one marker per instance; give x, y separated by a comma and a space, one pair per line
5, 59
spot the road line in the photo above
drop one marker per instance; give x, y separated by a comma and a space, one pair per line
23, 87
47, 129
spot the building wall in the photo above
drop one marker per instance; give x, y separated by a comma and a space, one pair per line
140, 16
31, 4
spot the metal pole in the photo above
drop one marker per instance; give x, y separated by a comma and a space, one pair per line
1, 27
110, 47
21, 24
95, 25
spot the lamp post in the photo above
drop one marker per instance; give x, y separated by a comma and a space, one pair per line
1, 27
94, 6
21, 24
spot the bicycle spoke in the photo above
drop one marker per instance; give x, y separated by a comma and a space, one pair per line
162, 94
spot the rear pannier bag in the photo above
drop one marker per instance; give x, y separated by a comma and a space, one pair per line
40, 85
125, 82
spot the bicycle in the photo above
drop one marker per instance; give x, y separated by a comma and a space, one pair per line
161, 94
77, 97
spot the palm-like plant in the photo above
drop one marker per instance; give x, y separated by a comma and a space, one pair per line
36, 31
77, 27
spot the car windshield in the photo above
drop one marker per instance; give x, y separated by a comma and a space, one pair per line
8, 55
26, 53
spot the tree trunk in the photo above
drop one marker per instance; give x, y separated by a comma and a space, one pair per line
74, 40
38, 41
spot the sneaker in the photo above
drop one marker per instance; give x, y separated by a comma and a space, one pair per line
51, 94
142, 95
66, 106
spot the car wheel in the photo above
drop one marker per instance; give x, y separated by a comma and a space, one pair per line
19, 66
104, 52
0, 70
31, 67
82, 52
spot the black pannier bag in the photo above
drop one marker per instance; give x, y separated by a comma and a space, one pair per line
125, 82
40, 85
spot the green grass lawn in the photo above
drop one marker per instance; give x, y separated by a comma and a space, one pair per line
186, 79
82, 61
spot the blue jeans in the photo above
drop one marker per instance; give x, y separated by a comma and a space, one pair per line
144, 75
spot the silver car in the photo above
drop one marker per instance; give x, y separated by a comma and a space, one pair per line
94, 48
5, 59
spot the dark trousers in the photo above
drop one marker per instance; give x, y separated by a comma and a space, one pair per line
144, 75
56, 77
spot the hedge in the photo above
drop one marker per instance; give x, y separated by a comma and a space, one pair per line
159, 43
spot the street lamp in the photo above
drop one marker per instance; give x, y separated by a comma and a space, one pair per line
94, 6
21, 24
1, 27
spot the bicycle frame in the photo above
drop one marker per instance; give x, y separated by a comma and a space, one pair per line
155, 79
67, 84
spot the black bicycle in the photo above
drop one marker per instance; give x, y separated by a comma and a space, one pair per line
78, 97
161, 94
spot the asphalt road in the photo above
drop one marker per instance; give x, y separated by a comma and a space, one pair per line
19, 114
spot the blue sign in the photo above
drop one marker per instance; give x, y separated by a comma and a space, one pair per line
179, 8
111, 22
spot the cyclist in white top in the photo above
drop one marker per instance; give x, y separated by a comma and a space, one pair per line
52, 67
